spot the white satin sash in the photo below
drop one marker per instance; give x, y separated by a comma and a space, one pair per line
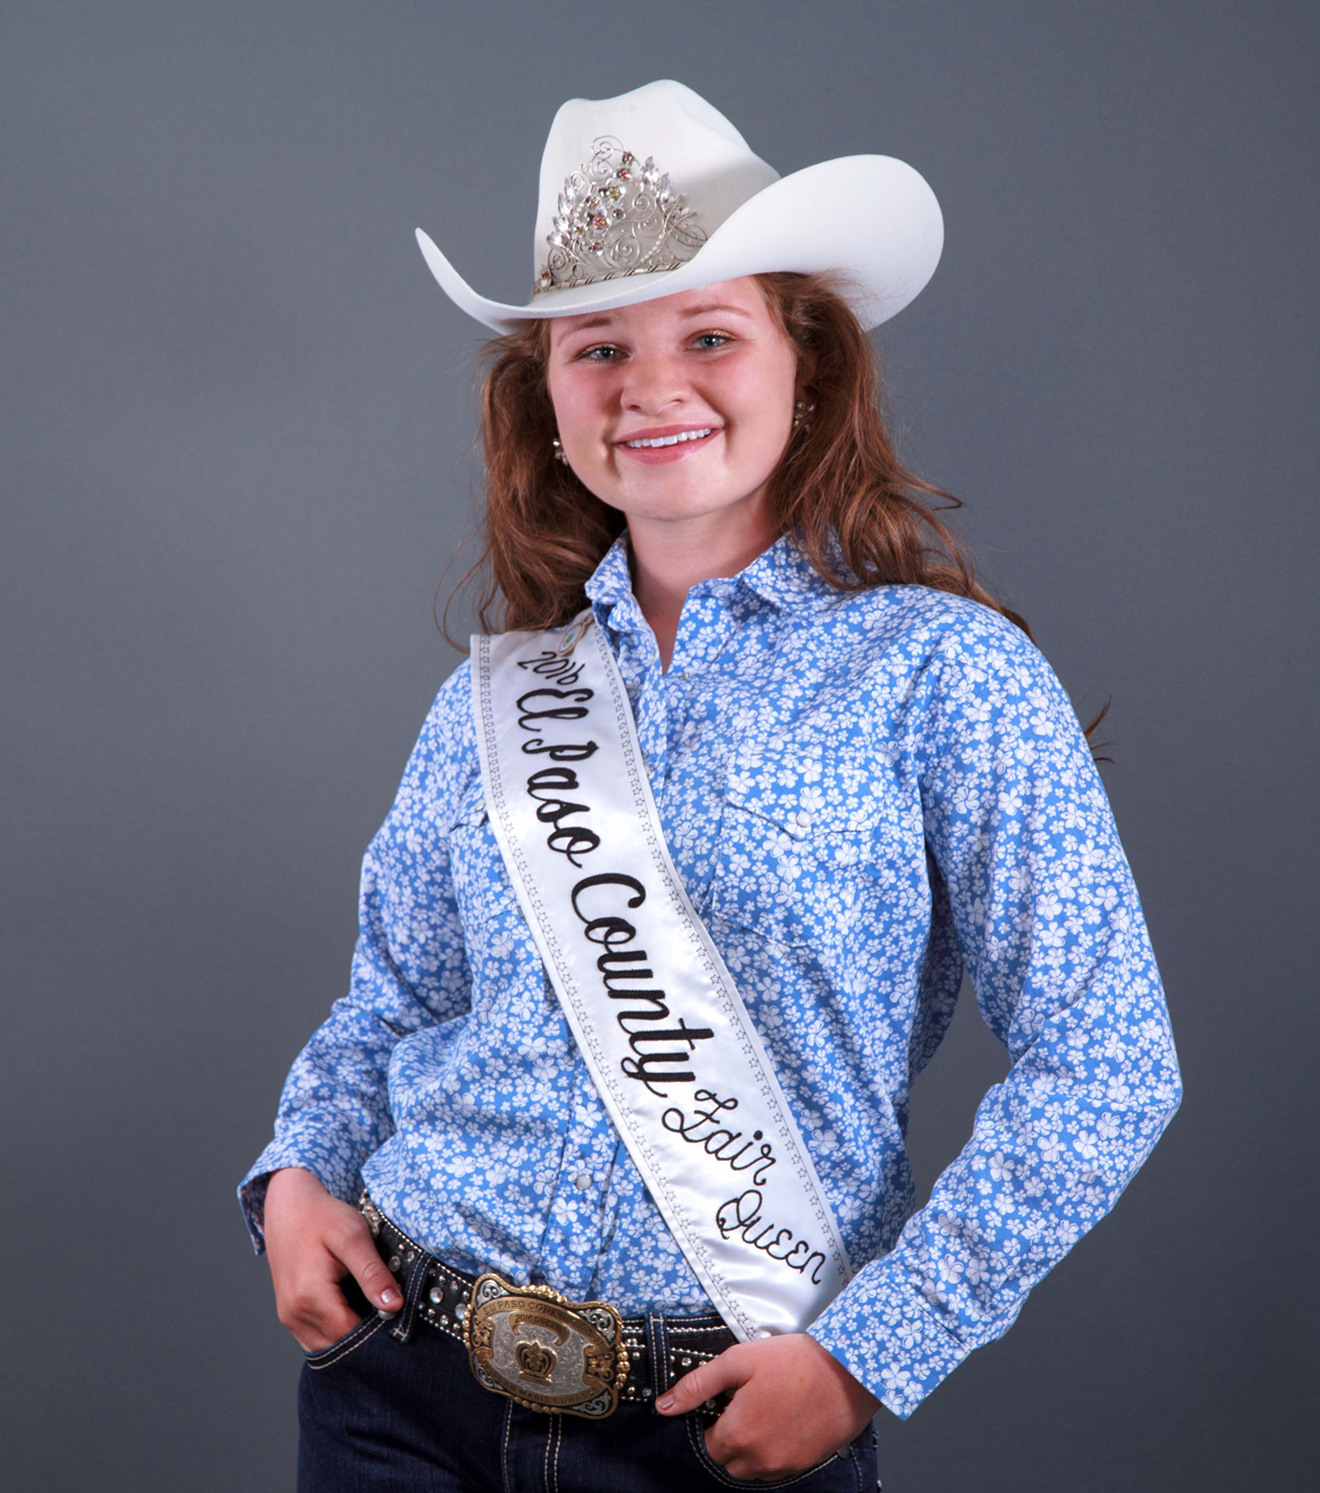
673, 1052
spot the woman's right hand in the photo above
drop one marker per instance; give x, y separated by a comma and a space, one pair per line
314, 1242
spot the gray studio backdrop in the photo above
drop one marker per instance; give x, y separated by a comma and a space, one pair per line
237, 427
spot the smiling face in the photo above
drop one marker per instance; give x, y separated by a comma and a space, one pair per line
677, 409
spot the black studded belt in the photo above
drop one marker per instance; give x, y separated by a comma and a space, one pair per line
537, 1347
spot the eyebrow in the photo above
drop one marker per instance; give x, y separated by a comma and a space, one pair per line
606, 319
716, 306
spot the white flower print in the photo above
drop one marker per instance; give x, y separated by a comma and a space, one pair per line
951, 804
1086, 1145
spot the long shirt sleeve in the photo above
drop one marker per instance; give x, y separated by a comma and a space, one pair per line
409, 972
864, 793
1051, 932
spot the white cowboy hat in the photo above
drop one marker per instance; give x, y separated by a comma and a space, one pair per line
655, 192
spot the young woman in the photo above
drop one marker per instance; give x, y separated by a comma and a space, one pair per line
842, 771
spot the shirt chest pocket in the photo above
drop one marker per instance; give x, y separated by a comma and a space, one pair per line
797, 840
481, 884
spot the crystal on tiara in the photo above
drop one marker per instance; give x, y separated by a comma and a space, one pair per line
650, 228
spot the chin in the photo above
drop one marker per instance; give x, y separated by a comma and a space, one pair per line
673, 508
679, 500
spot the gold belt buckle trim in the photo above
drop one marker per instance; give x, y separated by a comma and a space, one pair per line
545, 1351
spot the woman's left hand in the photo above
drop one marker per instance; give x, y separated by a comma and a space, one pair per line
793, 1405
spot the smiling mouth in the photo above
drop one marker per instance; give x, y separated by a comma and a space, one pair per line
669, 440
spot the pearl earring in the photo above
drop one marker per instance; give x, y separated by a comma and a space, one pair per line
559, 450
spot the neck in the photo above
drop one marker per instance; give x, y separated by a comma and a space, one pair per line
670, 556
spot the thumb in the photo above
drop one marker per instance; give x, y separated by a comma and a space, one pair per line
357, 1253
728, 1371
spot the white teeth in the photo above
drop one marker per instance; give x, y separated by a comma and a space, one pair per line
670, 440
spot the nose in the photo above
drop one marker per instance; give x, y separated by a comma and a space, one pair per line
654, 383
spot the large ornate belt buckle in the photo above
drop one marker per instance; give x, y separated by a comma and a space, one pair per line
545, 1351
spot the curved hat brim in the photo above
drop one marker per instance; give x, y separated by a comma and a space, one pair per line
873, 220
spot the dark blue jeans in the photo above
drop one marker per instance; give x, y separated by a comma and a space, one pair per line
380, 1415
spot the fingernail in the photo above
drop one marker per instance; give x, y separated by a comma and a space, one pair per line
665, 1402
388, 1298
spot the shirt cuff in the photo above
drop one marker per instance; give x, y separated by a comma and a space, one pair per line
306, 1149
887, 1334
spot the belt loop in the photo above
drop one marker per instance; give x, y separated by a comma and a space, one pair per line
657, 1346
402, 1325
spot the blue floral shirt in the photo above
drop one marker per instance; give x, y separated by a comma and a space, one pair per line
864, 793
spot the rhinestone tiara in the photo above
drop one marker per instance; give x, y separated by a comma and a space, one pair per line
616, 217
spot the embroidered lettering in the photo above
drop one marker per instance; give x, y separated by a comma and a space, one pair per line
555, 712
648, 1068
638, 958
741, 1215
718, 1141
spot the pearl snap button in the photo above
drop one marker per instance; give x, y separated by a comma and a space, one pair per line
582, 1181
762, 1332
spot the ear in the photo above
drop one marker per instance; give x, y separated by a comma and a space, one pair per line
804, 385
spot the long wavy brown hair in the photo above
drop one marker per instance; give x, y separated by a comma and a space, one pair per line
857, 514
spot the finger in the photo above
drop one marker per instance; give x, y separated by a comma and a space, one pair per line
313, 1308
356, 1251
328, 1328
707, 1380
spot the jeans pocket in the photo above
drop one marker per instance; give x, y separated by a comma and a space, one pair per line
322, 1358
697, 1436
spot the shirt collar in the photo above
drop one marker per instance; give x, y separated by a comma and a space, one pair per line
780, 575
611, 583
784, 577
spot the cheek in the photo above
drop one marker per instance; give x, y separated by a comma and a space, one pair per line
565, 406
759, 397
761, 421
575, 401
